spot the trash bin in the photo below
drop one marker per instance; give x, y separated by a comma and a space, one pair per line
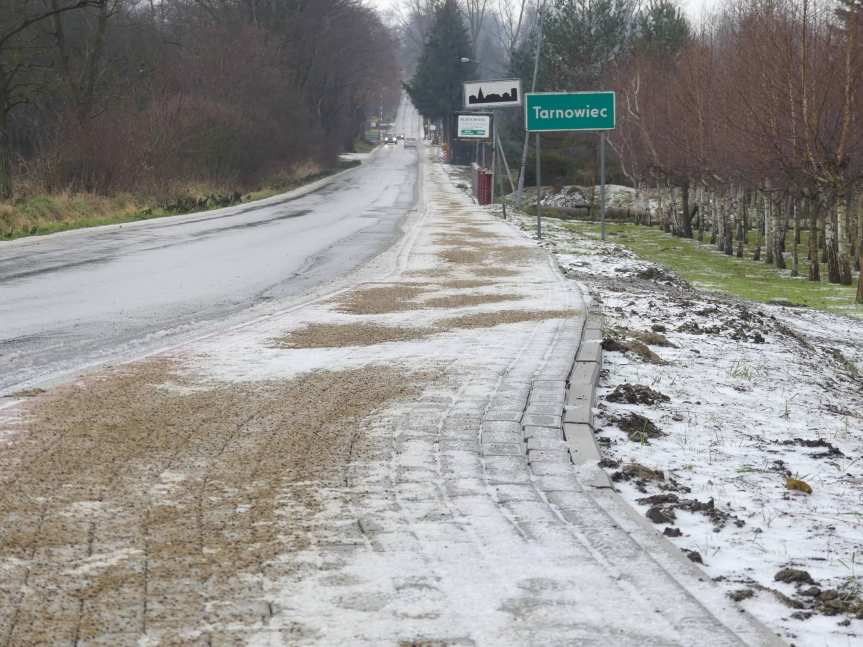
485, 180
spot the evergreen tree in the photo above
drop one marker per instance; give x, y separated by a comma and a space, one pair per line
436, 86
662, 29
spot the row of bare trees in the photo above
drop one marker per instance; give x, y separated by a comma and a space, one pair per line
754, 128
142, 95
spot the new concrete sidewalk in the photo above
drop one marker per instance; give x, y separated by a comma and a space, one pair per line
406, 462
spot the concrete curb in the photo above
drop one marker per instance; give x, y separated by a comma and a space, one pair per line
578, 428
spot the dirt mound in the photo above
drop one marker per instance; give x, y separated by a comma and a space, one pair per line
637, 427
636, 394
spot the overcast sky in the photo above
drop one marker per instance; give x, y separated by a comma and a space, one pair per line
693, 7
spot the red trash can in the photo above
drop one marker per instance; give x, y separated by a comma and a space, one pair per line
484, 194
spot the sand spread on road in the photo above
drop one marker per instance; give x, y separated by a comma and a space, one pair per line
143, 500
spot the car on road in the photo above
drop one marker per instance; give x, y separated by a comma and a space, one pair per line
390, 140
410, 142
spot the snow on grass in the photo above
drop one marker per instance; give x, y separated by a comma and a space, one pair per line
757, 394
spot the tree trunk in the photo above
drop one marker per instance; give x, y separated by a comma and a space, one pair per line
758, 203
859, 298
741, 222
5, 158
686, 220
814, 267
859, 211
795, 260
780, 227
714, 219
843, 231
769, 230
832, 258
728, 224
669, 214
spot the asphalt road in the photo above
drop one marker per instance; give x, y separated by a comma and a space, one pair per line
89, 296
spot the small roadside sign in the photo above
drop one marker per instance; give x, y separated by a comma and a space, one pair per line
484, 95
474, 127
546, 112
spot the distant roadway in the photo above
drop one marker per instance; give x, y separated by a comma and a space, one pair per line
90, 296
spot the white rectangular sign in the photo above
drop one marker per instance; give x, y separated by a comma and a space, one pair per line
473, 127
483, 95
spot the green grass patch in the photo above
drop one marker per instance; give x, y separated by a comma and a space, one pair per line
49, 214
702, 265
366, 144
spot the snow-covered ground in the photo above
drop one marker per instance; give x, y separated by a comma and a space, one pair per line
716, 416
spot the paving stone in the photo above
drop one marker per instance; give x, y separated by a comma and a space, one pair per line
560, 455
516, 493
503, 449
542, 420
539, 442
459, 444
545, 433
503, 437
555, 398
568, 499
551, 468
536, 409
503, 416
458, 486
533, 511
500, 425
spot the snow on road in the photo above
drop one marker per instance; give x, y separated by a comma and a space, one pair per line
745, 396
385, 465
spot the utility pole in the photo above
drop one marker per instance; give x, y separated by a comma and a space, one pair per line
523, 169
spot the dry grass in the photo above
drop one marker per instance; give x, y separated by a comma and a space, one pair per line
383, 299
431, 273
466, 256
485, 253
489, 319
515, 253
451, 240
460, 284
495, 272
343, 335
181, 496
466, 300
472, 230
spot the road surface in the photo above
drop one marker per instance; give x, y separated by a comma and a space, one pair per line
89, 296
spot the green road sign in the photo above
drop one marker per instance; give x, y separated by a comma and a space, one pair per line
546, 112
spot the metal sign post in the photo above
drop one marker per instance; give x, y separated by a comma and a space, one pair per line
602, 185
546, 112
538, 191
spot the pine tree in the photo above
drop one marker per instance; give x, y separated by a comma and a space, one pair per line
436, 86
